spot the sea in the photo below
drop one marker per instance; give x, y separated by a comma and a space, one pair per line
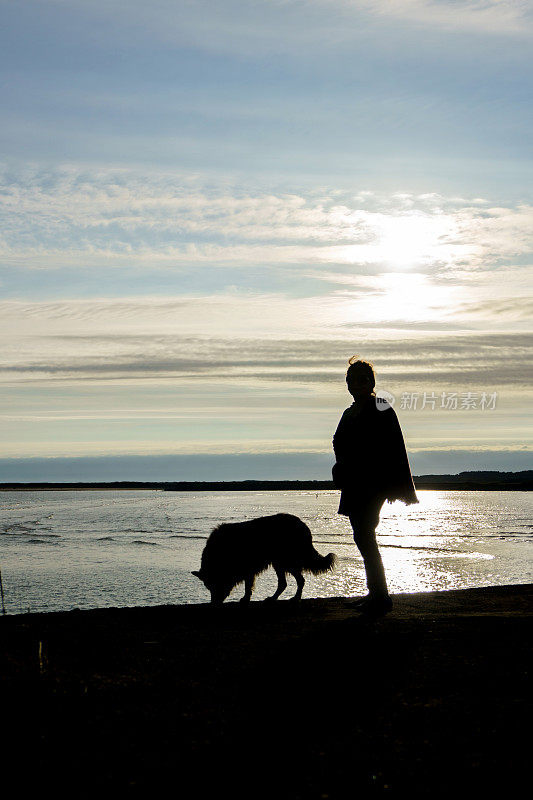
62, 550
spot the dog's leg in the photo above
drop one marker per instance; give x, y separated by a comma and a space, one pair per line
282, 583
248, 589
300, 581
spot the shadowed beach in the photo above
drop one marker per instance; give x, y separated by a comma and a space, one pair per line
306, 700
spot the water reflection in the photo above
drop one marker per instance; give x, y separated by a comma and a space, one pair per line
448, 541
61, 550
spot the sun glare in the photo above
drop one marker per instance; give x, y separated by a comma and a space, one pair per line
404, 241
410, 297
410, 240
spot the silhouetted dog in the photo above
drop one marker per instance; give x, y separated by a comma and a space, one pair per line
239, 551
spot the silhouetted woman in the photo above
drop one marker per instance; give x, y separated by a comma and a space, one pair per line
371, 467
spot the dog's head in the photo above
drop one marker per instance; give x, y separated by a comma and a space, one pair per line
218, 589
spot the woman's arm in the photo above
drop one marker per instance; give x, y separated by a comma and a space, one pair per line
339, 437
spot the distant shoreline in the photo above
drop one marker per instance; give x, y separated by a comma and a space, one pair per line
488, 481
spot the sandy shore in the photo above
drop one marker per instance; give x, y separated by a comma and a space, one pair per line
295, 701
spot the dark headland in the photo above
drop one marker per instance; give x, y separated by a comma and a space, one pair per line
487, 480
285, 700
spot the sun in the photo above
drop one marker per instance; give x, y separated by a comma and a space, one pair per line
406, 297
402, 241
412, 297
413, 239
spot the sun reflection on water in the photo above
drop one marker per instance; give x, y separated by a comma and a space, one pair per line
447, 541
62, 550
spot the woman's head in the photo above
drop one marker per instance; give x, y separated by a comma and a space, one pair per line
360, 377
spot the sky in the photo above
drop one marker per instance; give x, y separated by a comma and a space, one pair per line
208, 207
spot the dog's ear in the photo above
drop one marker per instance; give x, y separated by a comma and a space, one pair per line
196, 573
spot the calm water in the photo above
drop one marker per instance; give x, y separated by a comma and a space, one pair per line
63, 550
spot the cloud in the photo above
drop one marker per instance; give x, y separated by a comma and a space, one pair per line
406, 326
508, 308
487, 359
484, 16
265, 27
241, 466
332, 88
69, 217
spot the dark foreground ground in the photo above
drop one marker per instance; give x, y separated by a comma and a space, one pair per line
281, 701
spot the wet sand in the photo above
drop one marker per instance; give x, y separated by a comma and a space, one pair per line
306, 700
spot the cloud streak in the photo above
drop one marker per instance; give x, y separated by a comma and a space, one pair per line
267, 27
67, 217
494, 17
468, 360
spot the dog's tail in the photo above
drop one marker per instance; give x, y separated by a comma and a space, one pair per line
318, 564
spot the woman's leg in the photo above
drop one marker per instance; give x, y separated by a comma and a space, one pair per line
364, 521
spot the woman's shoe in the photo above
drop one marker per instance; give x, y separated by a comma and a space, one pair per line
377, 605
361, 601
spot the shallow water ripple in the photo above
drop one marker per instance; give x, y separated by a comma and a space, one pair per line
85, 549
